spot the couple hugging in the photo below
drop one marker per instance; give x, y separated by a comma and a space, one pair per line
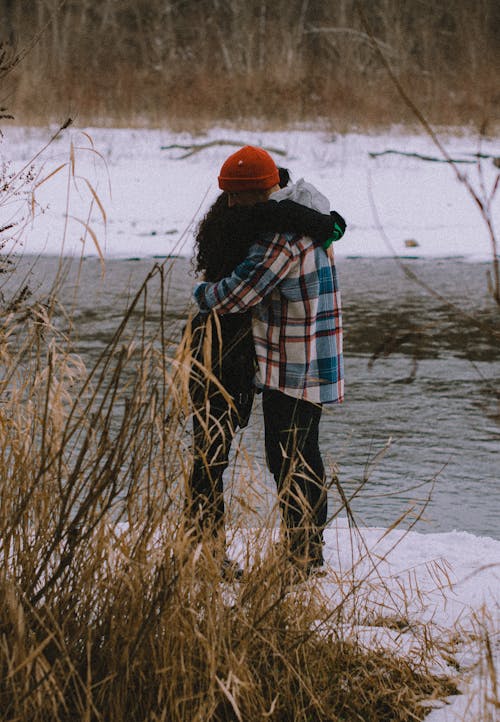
269, 321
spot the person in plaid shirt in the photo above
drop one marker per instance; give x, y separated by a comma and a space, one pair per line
290, 284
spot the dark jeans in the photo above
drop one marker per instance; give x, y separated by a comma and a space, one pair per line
293, 456
214, 428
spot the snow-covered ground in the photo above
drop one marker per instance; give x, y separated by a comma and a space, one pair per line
433, 597
449, 582
151, 199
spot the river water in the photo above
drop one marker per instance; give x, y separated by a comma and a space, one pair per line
419, 431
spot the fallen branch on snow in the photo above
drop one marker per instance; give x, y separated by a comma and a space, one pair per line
202, 146
421, 157
434, 159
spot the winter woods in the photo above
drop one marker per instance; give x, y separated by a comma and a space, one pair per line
290, 59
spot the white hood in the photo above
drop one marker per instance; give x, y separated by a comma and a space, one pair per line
305, 194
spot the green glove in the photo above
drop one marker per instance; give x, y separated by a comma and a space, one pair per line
339, 226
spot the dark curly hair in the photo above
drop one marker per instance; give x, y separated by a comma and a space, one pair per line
222, 240
224, 236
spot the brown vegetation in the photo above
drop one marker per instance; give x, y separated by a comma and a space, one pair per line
108, 608
189, 63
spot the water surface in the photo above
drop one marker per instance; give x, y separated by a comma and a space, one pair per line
422, 380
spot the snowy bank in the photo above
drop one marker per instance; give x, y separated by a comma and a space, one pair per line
414, 592
146, 202
153, 196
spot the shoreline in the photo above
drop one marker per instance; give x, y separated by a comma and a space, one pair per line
145, 201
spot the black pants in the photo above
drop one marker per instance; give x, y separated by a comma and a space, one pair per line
293, 456
214, 427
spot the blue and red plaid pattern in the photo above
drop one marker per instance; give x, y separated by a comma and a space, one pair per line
291, 286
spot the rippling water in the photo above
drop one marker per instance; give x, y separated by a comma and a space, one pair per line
422, 381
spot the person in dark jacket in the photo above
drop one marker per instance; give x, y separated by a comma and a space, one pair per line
223, 354
221, 380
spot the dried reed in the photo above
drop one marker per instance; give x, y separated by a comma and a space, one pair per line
283, 62
109, 608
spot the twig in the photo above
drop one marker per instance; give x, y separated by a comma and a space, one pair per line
420, 156
192, 148
358, 34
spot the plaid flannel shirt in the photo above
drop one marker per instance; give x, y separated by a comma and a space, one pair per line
291, 286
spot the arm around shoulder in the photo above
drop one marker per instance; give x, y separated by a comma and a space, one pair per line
251, 281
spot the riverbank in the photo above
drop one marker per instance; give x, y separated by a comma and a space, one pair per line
395, 200
409, 592
445, 584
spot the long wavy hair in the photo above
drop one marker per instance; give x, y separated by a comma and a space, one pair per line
221, 242
224, 236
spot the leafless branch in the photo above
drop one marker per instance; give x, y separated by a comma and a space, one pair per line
196, 148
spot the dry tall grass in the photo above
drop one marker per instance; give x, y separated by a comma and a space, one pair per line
109, 610
194, 63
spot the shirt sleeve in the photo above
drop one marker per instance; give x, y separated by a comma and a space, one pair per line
251, 281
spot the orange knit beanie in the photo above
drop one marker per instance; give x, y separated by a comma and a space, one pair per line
248, 169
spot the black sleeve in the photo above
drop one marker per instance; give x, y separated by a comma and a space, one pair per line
288, 216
